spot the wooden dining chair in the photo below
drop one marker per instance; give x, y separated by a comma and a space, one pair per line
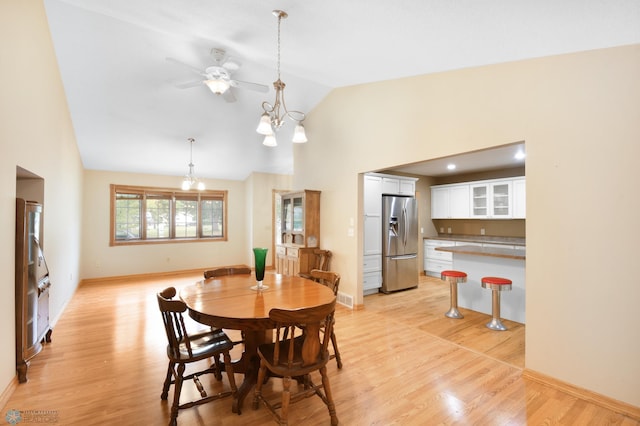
321, 259
227, 270
331, 280
184, 348
297, 353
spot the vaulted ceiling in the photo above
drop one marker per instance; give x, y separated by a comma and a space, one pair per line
129, 115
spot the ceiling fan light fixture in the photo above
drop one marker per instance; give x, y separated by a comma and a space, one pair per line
264, 127
273, 117
270, 140
217, 86
299, 135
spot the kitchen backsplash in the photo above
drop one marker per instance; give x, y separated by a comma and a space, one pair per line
498, 228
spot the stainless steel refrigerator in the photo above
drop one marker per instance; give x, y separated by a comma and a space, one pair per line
399, 243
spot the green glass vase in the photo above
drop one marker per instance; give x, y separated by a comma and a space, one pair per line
260, 256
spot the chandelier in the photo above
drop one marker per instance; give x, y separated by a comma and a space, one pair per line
190, 180
273, 117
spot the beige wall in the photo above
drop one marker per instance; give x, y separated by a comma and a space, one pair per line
259, 215
101, 260
35, 134
578, 115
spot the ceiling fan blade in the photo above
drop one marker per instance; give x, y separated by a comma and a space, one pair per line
256, 87
189, 67
229, 96
189, 84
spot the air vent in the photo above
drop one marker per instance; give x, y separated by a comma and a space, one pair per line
345, 299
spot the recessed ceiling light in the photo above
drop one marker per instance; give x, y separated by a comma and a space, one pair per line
519, 155
451, 166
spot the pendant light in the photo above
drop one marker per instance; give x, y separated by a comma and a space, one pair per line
190, 179
273, 116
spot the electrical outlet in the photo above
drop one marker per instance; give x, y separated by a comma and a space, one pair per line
481, 231
441, 230
449, 230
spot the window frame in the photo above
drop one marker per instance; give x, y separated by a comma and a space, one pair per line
172, 195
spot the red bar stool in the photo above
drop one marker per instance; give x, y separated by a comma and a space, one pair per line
454, 277
496, 285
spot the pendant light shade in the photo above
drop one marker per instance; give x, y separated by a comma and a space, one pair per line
270, 140
299, 136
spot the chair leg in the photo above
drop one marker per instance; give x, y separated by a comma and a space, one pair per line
335, 349
167, 381
257, 395
230, 375
176, 393
327, 391
286, 399
218, 371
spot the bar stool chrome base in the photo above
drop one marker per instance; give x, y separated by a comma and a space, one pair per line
496, 285
454, 313
453, 277
496, 324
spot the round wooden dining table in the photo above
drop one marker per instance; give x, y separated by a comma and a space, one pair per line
229, 302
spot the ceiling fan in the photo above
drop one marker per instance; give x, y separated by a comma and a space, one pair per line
217, 77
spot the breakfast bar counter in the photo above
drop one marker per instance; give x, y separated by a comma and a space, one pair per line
480, 262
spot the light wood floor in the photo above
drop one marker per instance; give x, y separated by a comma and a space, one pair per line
404, 363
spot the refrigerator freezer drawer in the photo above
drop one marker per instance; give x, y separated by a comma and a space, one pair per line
399, 273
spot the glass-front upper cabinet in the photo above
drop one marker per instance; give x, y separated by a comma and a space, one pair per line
287, 217
479, 200
298, 214
301, 218
492, 200
501, 199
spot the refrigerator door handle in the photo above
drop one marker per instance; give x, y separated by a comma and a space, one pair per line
406, 227
404, 256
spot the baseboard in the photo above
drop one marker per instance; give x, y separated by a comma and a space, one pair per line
584, 394
6, 394
153, 275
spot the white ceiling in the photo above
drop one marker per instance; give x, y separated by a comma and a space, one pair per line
128, 114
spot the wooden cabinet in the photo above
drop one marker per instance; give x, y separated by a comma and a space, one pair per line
300, 223
450, 201
32, 286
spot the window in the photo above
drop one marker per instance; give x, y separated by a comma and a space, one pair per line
156, 215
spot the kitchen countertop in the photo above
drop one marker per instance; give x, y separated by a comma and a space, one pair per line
507, 253
518, 241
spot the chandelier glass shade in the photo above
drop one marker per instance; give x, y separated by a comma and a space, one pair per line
190, 180
274, 114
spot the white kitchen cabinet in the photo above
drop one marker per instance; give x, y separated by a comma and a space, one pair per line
372, 215
491, 199
450, 202
519, 199
408, 187
437, 261
397, 185
372, 234
439, 202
